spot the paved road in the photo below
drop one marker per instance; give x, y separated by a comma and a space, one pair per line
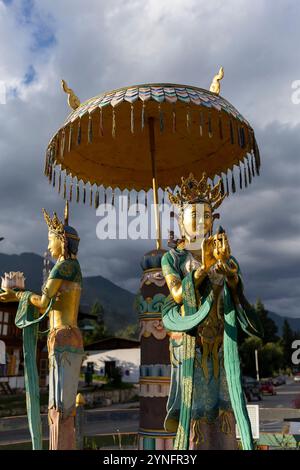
125, 417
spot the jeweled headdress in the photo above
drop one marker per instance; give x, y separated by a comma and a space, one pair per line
193, 191
58, 227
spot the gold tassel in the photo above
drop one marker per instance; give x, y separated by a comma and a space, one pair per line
174, 120
79, 133
231, 133
245, 176
225, 425
233, 188
70, 138
71, 191
62, 144
59, 181
188, 119
97, 199
113, 131
132, 119
161, 119
101, 131
197, 433
143, 115
201, 124
90, 130
91, 196
220, 129
65, 186
209, 127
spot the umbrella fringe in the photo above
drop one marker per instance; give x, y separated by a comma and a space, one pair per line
132, 119
70, 138
91, 196
101, 130
79, 133
62, 144
90, 130
227, 184
71, 190
113, 130
241, 179
245, 176
97, 199
50, 174
210, 132
249, 171
161, 119
188, 119
54, 177
65, 186
201, 123
77, 192
143, 115
59, 181
231, 132
233, 187
220, 129
174, 120
256, 156
222, 185
252, 164
84, 194
137, 203
113, 198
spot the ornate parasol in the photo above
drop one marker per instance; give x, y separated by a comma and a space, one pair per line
131, 136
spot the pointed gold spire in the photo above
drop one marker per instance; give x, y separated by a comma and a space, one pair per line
215, 84
73, 100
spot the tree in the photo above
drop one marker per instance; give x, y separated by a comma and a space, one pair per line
288, 337
271, 359
269, 326
99, 330
130, 332
247, 354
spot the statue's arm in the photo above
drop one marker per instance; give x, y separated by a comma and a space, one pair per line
50, 291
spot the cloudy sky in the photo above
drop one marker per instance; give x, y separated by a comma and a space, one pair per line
96, 46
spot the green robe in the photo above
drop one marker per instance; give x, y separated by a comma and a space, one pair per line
185, 380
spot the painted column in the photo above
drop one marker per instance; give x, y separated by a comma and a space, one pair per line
155, 367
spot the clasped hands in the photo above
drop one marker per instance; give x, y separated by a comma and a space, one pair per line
216, 252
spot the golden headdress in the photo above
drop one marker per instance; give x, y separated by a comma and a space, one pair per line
193, 191
58, 227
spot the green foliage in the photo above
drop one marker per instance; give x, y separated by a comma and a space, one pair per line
130, 332
288, 337
269, 326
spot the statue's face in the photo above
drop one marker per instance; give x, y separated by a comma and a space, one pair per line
197, 220
54, 245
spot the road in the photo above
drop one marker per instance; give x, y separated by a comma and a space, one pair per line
125, 417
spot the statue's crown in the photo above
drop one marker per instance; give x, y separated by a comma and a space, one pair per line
193, 191
54, 224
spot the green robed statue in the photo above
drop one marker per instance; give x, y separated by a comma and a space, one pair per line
60, 300
202, 313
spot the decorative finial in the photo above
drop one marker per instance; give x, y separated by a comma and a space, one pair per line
66, 214
73, 100
215, 84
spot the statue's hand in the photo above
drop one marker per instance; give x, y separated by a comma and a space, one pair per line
8, 295
208, 259
229, 270
221, 248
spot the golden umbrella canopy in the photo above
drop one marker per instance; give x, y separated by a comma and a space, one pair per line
158, 132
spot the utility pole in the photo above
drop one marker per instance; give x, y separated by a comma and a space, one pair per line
256, 365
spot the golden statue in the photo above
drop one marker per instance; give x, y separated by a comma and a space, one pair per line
73, 100
205, 304
60, 300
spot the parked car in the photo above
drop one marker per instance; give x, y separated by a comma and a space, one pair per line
267, 387
280, 380
251, 389
297, 377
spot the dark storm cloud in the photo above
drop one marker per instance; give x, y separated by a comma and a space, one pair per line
111, 44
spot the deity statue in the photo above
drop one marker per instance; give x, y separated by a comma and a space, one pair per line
60, 300
202, 313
